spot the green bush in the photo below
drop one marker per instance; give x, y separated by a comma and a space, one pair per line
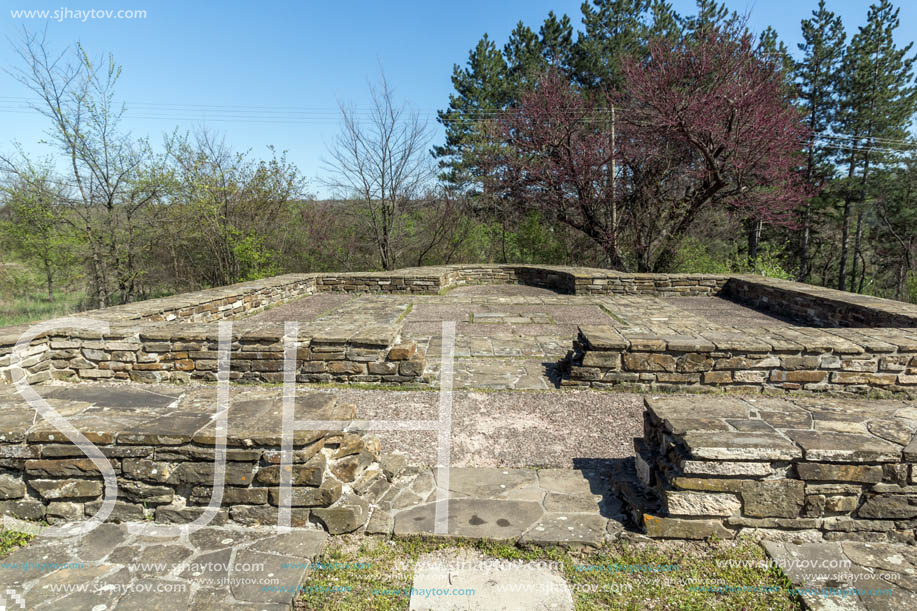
700, 257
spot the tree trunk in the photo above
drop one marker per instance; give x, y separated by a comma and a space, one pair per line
845, 231
49, 279
754, 238
857, 254
803, 275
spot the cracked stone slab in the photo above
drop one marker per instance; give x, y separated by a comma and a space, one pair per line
871, 568
493, 483
548, 506
213, 568
568, 528
736, 445
538, 589
844, 447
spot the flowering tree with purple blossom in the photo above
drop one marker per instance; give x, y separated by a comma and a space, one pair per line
701, 123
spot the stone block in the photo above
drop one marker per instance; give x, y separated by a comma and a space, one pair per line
402, 352
773, 498
872, 379
718, 377
24, 509
645, 361
231, 495
799, 376
679, 528
346, 368
602, 360
122, 512
138, 492
53, 489
839, 472
309, 474
694, 362
255, 515
11, 486
701, 504
347, 515
750, 376
411, 368
889, 506
324, 496
63, 511
347, 469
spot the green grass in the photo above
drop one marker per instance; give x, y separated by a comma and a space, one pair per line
592, 590
10, 541
34, 306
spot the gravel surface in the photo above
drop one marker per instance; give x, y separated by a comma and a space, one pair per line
556, 428
566, 429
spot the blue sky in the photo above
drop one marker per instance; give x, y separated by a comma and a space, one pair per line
272, 73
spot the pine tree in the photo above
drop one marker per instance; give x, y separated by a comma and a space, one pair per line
817, 75
615, 29
481, 89
896, 209
490, 82
877, 103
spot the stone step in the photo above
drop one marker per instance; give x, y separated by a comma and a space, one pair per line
637, 499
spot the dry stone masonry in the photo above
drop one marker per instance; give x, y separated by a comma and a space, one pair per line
842, 342
161, 447
817, 468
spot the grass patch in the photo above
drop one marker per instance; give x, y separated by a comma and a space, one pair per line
34, 306
404, 314
10, 541
699, 564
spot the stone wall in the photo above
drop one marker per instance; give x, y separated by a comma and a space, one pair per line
155, 341
185, 353
821, 468
819, 306
587, 281
163, 456
215, 304
566, 280
604, 358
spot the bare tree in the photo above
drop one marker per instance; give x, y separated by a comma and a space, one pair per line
380, 160
112, 177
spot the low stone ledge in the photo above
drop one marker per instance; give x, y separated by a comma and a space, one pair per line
180, 353
788, 359
699, 471
820, 306
44, 476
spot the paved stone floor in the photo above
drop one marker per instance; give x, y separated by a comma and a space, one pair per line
513, 337
230, 567
727, 312
214, 568
849, 575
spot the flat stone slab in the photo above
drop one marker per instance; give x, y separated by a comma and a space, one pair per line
813, 429
545, 506
849, 575
473, 518
134, 415
538, 589
113, 568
